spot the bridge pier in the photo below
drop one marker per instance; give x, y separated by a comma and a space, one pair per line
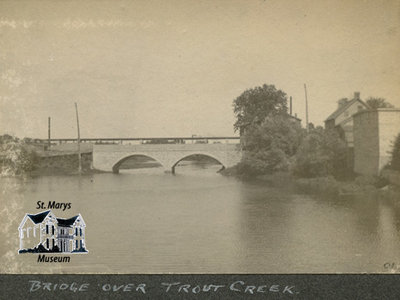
170, 170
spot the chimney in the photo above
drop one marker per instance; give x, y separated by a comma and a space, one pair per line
342, 102
290, 105
357, 95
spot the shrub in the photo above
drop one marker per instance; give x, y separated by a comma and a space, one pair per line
262, 162
15, 157
269, 146
321, 153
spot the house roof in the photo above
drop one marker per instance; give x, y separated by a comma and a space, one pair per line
66, 222
342, 108
38, 218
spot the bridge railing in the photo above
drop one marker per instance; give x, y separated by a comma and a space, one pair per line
161, 140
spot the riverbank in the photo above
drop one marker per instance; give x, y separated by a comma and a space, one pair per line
61, 163
386, 186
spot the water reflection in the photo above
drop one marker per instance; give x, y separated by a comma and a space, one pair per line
145, 221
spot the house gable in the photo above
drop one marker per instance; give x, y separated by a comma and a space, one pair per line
22, 224
79, 221
346, 111
50, 218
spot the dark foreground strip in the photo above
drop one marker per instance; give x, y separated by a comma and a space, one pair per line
58, 286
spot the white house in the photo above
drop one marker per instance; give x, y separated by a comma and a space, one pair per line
54, 234
342, 118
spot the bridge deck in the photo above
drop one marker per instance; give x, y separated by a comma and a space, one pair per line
146, 140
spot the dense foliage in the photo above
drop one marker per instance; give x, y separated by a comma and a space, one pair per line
268, 147
15, 156
254, 105
274, 141
321, 153
375, 103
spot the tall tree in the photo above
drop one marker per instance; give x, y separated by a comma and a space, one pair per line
375, 103
254, 105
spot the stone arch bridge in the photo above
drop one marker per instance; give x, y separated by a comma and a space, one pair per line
109, 157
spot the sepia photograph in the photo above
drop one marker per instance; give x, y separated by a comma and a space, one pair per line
199, 137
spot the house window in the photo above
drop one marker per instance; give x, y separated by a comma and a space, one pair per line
80, 229
76, 231
47, 230
52, 229
76, 244
53, 243
47, 243
81, 244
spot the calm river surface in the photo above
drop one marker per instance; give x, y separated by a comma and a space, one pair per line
197, 221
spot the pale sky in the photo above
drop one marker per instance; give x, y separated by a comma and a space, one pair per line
173, 68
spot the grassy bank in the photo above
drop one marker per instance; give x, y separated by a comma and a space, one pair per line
62, 164
327, 186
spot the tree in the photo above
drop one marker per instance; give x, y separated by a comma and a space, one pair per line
6, 138
16, 158
269, 146
274, 132
254, 105
321, 153
375, 103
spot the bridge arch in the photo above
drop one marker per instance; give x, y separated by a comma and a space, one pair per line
110, 157
219, 160
116, 166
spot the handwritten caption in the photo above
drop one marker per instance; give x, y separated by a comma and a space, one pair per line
166, 287
392, 267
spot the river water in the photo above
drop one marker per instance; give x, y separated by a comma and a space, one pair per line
197, 221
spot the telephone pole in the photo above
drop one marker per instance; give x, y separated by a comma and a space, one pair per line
49, 136
305, 91
79, 141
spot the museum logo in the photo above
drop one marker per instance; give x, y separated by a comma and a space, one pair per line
45, 233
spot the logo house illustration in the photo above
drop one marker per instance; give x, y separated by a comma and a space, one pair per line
45, 233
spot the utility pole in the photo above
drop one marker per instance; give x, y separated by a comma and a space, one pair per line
79, 141
305, 91
49, 123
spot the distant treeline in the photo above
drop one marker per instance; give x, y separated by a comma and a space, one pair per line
16, 156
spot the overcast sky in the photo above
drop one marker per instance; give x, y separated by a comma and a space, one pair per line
173, 68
